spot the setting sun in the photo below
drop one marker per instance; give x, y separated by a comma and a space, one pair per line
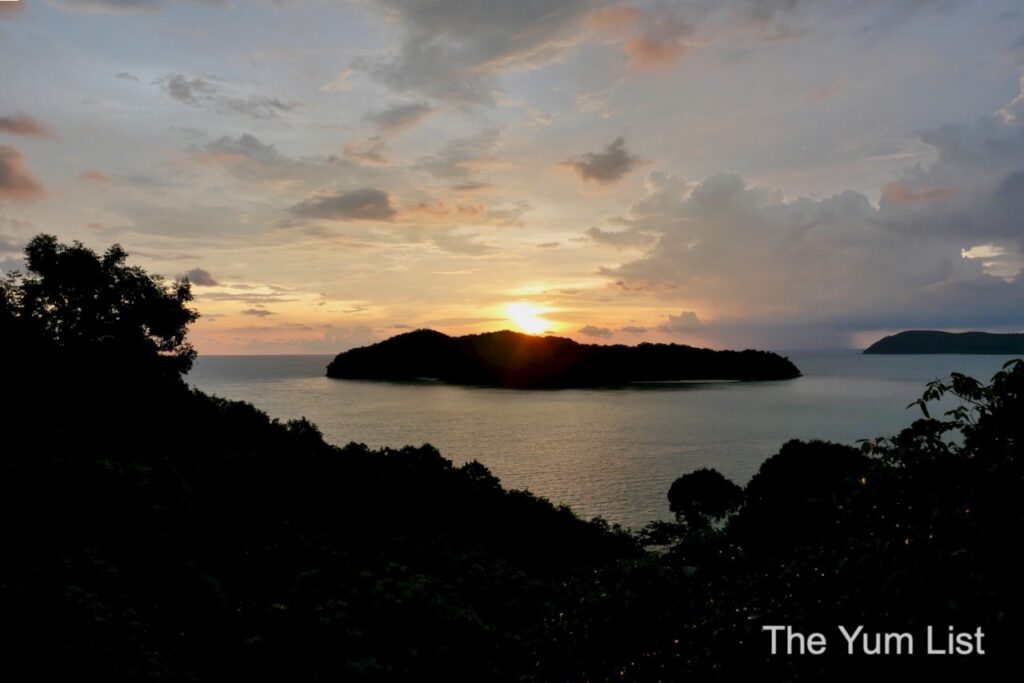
527, 318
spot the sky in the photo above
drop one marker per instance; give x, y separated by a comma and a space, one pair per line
781, 174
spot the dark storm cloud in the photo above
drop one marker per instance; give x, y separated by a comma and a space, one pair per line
607, 166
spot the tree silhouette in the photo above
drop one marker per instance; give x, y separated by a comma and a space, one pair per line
703, 496
95, 311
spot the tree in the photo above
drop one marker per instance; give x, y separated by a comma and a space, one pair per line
702, 496
84, 310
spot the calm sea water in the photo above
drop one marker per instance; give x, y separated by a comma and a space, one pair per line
607, 452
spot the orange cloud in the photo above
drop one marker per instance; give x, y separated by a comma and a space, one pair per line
23, 124
647, 53
615, 20
898, 193
444, 212
650, 40
16, 182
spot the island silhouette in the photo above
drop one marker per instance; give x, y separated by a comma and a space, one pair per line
934, 341
522, 361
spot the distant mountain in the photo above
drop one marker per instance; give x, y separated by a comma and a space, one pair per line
930, 341
511, 359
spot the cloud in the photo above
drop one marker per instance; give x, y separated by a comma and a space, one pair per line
462, 157
9, 246
447, 212
23, 124
634, 329
125, 6
245, 146
651, 39
1010, 112
16, 182
248, 158
465, 244
507, 217
607, 166
127, 76
767, 10
452, 52
621, 238
400, 117
898, 193
943, 248
373, 150
94, 176
592, 331
472, 186
258, 312
340, 83
660, 46
686, 321
444, 212
615, 19
366, 204
10, 264
200, 277
203, 93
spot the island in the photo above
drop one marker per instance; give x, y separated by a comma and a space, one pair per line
933, 341
522, 361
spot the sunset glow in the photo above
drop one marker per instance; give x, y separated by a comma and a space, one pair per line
328, 174
528, 318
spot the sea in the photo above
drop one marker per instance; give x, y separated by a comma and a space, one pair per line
611, 453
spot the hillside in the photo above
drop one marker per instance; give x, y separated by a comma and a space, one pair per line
931, 341
159, 534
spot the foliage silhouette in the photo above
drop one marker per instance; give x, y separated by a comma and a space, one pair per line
511, 359
702, 497
90, 311
157, 533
